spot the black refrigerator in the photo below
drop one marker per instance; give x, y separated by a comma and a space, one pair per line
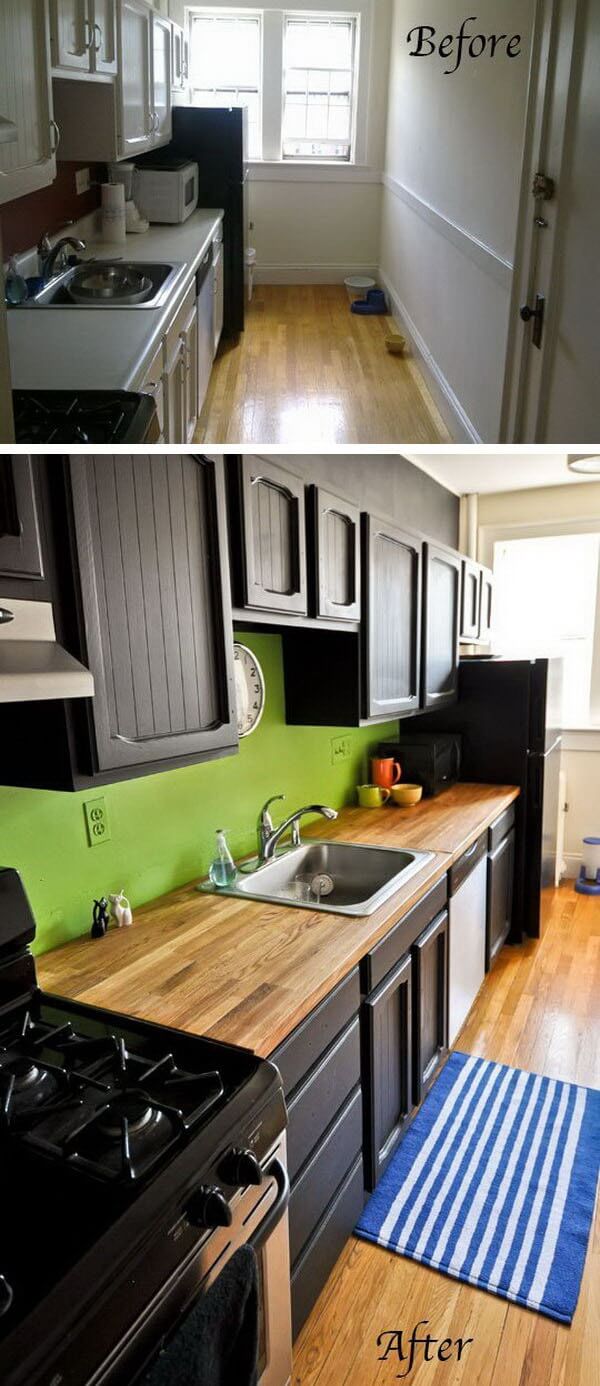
509, 715
216, 138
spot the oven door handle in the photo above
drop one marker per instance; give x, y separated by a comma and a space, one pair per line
279, 1172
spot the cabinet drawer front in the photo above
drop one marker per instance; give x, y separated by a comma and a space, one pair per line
311, 1110
306, 1045
317, 1185
501, 827
325, 1247
150, 535
387, 953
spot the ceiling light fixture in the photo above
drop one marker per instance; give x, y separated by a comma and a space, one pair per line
590, 466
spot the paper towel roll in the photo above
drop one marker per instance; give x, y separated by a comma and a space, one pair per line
113, 213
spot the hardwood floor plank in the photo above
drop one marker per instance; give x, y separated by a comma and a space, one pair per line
307, 370
539, 1009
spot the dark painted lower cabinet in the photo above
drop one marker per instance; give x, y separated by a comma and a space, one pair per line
387, 1038
320, 1067
501, 863
430, 972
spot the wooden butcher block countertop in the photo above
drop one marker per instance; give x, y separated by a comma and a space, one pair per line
247, 972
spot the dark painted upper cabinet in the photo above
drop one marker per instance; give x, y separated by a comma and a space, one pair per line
334, 556
269, 536
392, 562
441, 624
470, 600
486, 598
152, 563
20, 542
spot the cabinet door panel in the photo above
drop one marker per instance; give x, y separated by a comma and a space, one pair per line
486, 597
27, 162
274, 531
71, 34
430, 990
470, 600
392, 619
161, 79
150, 537
441, 615
134, 76
105, 35
499, 896
20, 547
337, 556
388, 1041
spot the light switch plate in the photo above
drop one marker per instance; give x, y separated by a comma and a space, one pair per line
341, 749
82, 180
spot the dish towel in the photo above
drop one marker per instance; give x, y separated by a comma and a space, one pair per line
495, 1184
217, 1345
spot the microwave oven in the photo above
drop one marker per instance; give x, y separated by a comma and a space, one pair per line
167, 192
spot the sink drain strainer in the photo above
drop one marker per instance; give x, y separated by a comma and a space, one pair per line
322, 884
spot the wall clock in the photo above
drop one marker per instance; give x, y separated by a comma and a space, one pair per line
249, 689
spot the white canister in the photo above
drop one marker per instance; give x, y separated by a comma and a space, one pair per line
591, 858
113, 213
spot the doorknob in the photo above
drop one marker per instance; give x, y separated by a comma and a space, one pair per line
537, 314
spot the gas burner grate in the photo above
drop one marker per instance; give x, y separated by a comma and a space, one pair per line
68, 417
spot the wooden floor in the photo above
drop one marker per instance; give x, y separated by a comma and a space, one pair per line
307, 370
540, 1010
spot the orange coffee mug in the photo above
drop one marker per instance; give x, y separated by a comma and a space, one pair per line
385, 772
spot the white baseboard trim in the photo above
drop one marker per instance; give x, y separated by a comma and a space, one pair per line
309, 274
457, 420
572, 862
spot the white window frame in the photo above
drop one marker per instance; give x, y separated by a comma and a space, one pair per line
271, 166
233, 12
325, 17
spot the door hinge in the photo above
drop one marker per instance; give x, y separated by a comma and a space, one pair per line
543, 187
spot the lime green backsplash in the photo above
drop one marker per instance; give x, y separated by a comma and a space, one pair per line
162, 826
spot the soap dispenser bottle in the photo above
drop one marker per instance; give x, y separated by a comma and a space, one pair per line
222, 870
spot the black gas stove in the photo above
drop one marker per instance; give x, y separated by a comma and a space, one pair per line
84, 416
134, 1160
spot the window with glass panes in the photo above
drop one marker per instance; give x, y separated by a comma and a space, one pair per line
318, 86
225, 66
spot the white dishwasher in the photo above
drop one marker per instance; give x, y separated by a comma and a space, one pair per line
467, 911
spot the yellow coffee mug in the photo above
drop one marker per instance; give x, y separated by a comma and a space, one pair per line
372, 796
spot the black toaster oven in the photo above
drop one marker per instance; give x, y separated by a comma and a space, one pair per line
428, 758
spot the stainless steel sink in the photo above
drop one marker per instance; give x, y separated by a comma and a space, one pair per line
337, 877
113, 284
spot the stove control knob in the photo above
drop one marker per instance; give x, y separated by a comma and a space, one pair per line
241, 1167
6, 1296
208, 1207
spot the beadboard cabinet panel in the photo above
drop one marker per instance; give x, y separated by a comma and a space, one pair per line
392, 619
149, 535
334, 556
441, 624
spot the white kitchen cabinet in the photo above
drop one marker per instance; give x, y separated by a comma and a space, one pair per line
153, 384
178, 67
28, 159
83, 37
135, 77
161, 80
189, 356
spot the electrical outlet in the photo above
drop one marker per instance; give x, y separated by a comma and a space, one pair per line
96, 818
341, 749
82, 180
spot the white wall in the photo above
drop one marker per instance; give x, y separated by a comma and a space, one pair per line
316, 224
450, 202
550, 510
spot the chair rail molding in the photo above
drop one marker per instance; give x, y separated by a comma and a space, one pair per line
487, 259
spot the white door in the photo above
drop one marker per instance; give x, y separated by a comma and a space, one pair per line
135, 32
29, 134
104, 19
161, 79
72, 34
554, 361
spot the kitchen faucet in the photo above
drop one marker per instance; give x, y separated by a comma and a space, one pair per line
268, 836
50, 254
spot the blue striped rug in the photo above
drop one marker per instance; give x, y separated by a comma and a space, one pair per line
495, 1184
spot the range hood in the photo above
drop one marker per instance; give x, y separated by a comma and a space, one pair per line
33, 666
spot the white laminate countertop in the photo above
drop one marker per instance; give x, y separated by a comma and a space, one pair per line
105, 348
